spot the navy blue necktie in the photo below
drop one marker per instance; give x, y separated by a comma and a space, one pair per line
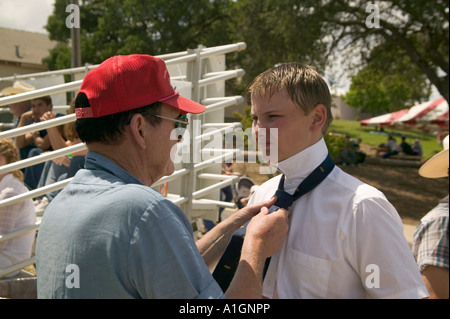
225, 269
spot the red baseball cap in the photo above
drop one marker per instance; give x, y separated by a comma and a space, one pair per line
127, 82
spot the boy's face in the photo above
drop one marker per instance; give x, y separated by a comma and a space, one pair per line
296, 130
39, 107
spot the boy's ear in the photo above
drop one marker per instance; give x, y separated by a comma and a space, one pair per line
320, 117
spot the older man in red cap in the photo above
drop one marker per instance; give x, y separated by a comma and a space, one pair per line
108, 234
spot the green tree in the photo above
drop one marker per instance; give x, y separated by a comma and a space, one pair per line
59, 57
112, 27
417, 29
317, 32
275, 32
246, 118
387, 83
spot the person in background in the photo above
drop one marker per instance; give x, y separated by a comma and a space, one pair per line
430, 240
348, 152
18, 108
37, 142
405, 148
226, 193
245, 192
417, 148
61, 167
15, 216
360, 155
392, 146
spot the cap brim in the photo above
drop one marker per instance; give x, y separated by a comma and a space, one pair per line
185, 105
436, 167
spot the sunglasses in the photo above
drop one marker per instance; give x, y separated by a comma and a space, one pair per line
181, 122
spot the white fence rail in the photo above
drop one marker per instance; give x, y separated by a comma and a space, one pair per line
194, 187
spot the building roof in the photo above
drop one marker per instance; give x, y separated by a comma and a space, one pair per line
18, 46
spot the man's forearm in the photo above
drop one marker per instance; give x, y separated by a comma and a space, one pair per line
56, 140
42, 142
212, 245
436, 281
24, 140
247, 281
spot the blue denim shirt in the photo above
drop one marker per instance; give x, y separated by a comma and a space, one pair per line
106, 235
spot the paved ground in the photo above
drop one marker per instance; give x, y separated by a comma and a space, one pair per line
409, 232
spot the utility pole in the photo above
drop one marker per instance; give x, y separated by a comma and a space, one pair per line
76, 41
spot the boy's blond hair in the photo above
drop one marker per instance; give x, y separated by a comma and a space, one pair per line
303, 83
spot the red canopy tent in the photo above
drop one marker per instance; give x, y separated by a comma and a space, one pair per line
430, 113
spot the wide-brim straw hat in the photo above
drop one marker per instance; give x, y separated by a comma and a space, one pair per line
17, 88
437, 166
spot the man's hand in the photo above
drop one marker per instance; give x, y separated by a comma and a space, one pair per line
25, 117
63, 160
213, 244
48, 116
268, 230
245, 214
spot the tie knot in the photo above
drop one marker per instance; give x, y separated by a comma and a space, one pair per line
284, 200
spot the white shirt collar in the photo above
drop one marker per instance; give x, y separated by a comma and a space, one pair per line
300, 165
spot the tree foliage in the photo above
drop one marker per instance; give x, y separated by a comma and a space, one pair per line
393, 54
417, 29
111, 27
276, 32
387, 83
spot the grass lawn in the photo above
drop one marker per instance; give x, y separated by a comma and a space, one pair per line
371, 136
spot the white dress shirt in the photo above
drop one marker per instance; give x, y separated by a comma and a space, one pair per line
345, 239
12, 218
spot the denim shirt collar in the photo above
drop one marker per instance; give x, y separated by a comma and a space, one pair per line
95, 161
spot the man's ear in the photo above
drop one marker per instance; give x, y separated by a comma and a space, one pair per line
319, 117
138, 128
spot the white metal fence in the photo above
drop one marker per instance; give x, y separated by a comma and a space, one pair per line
195, 185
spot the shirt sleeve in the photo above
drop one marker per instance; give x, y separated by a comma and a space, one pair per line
379, 252
164, 261
430, 242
